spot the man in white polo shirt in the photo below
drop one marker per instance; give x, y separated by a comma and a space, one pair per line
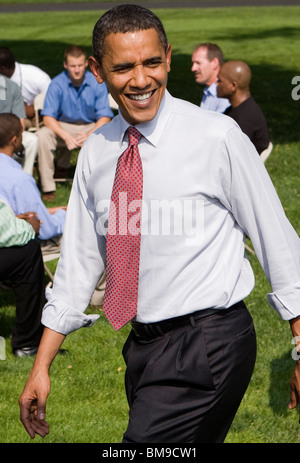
31, 79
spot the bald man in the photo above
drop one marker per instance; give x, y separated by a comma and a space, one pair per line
234, 83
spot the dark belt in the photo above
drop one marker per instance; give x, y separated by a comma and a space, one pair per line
153, 330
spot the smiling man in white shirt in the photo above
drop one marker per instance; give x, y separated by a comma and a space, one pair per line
191, 351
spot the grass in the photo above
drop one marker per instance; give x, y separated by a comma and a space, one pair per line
87, 402
171, 2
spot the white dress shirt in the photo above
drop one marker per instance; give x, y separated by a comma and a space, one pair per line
198, 165
212, 102
32, 81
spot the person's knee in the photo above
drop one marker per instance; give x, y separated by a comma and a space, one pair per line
44, 134
30, 141
32, 251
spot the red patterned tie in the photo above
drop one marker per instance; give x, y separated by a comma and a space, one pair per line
124, 236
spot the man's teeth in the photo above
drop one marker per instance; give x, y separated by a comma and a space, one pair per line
142, 97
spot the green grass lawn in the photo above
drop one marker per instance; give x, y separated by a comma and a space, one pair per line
87, 402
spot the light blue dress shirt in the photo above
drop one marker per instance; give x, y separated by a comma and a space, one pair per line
84, 105
19, 190
212, 102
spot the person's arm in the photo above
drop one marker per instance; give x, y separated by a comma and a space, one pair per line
32, 219
27, 197
99, 123
254, 203
53, 210
82, 136
295, 380
103, 112
23, 123
37, 388
79, 268
29, 109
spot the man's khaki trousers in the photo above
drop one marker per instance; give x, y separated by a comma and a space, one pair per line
48, 144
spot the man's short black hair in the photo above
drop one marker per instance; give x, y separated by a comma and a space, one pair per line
123, 19
7, 58
10, 126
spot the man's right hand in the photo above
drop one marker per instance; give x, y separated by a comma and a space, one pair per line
37, 388
32, 218
71, 141
33, 404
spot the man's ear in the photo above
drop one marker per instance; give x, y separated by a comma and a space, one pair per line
13, 140
234, 86
14, 143
215, 63
168, 57
96, 69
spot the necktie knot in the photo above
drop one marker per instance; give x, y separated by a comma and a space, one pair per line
134, 136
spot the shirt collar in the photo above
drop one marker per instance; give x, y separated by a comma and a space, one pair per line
70, 83
212, 90
151, 130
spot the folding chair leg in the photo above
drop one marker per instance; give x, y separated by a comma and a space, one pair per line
250, 250
50, 275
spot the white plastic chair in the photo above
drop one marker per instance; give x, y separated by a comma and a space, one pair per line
113, 105
47, 258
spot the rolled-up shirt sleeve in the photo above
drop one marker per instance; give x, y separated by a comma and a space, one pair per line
62, 318
251, 196
81, 263
52, 101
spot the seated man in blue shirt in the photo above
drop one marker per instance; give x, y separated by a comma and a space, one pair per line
75, 106
18, 188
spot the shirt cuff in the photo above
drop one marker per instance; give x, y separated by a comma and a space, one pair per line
286, 301
62, 318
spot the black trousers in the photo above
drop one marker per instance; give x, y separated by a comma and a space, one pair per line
22, 269
186, 385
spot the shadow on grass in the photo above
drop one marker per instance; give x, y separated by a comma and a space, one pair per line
286, 32
7, 313
271, 87
279, 392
